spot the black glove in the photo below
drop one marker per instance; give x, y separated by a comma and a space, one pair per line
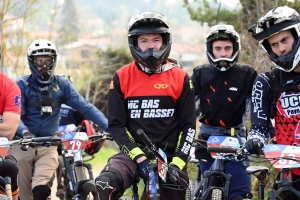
254, 146
173, 175
144, 170
27, 135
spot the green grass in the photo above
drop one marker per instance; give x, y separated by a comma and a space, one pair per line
102, 157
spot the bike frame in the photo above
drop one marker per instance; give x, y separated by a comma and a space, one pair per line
285, 184
75, 173
78, 174
7, 184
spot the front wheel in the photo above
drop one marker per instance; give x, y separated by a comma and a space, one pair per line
4, 197
216, 194
190, 191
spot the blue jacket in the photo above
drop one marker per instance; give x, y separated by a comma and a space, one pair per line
62, 91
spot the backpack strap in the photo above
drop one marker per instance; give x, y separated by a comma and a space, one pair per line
44, 100
275, 89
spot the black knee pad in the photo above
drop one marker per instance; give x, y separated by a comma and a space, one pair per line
109, 184
41, 192
8, 167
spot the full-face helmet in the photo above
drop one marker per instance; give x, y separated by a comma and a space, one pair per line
37, 49
147, 23
277, 20
223, 32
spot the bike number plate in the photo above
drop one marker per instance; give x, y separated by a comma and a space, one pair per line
4, 146
67, 128
74, 141
162, 165
277, 151
221, 141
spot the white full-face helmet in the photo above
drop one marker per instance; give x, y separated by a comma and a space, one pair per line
38, 48
277, 20
223, 32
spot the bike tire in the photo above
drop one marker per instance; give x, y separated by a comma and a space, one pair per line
216, 194
4, 197
189, 195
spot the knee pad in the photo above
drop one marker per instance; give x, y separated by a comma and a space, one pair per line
109, 184
41, 192
8, 167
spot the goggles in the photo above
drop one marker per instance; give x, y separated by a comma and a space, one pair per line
40, 62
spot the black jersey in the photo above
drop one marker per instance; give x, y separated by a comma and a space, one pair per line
162, 104
224, 95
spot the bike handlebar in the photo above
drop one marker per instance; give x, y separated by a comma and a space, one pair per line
56, 139
149, 144
221, 149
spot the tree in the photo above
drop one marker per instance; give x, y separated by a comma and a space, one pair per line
241, 18
97, 87
69, 25
14, 17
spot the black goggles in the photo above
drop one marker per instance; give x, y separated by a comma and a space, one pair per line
40, 63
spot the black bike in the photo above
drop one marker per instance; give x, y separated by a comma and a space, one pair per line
284, 158
75, 180
222, 148
158, 170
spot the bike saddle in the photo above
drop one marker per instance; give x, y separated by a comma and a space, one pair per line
255, 169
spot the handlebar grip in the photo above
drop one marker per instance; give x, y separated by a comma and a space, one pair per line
45, 139
144, 137
221, 149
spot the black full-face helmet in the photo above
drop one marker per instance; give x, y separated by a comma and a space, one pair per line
40, 48
149, 23
223, 32
279, 19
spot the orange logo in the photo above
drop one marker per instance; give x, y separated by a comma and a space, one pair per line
161, 86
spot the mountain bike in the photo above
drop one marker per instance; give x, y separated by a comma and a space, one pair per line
24, 145
76, 181
284, 158
158, 170
222, 149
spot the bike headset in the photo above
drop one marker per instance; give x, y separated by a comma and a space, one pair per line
42, 48
149, 23
276, 20
223, 32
